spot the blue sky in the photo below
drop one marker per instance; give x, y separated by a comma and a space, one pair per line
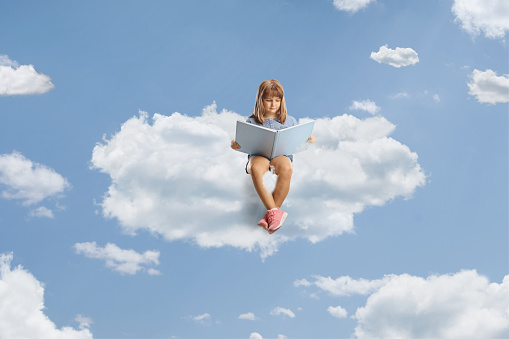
125, 214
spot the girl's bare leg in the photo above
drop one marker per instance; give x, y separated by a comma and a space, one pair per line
283, 169
257, 168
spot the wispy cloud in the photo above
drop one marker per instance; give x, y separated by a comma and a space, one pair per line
399, 57
22, 300
282, 311
30, 182
352, 6
488, 88
178, 177
248, 316
365, 105
489, 17
120, 260
22, 80
202, 319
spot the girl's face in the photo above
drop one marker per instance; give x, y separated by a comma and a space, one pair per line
271, 105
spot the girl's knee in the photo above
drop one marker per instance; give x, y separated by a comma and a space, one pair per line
284, 170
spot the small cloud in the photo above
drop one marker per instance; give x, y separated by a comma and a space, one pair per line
42, 212
120, 260
282, 311
400, 95
352, 6
248, 316
203, 319
365, 105
489, 17
337, 312
488, 88
84, 322
255, 335
28, 181
395, 57
22, 80
436, 97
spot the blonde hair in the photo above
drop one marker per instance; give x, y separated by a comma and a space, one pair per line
269, 88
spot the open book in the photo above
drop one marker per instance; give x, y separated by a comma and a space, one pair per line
257, 140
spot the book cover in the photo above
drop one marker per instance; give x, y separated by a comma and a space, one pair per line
258, 140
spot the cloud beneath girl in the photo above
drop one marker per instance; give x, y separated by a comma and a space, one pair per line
176, 176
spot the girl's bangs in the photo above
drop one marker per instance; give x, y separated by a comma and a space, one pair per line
274, 92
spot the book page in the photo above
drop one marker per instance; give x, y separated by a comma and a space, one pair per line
293, 139
254, 139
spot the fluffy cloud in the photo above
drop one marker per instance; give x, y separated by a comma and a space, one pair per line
489, 17
21, 80
22, 304
176, 176
365, 105
31, 182
120, 260
461, 305
248, 316
488, 88
255, 335
282, 311
395, 57
351, 6
337, 312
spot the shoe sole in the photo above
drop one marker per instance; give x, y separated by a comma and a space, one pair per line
283, 218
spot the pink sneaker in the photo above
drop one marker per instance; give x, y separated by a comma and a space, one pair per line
275, 219
263, 223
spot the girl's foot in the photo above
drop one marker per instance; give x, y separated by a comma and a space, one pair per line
275, 219
264, 223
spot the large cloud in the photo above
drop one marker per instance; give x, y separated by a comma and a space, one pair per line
22, 305
22, 179
488, 88
461, 305
176, 176
478, 16
395, 57
22, 80
351, 6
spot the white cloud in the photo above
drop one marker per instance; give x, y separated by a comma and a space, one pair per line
84, 322
344, 286
178, 177
461, 305
489, 17
365, 105
436, 97
28, 181
351, 6
21, 80
395, 57
42, 212
282, 311
400, 95
120, 260
22, 305
488, 88
203, 319
248, 316
255, 335
337, 312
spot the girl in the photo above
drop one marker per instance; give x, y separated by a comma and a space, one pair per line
270, 112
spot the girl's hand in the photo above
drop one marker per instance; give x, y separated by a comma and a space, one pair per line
234, 145
311, 139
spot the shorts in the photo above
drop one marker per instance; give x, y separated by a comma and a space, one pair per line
271, 168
